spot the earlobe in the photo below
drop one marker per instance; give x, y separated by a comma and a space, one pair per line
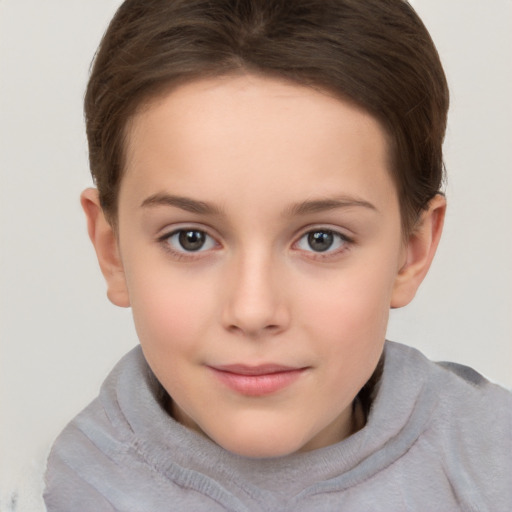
104, 239
419, 252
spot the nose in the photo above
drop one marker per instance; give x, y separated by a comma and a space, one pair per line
255, 302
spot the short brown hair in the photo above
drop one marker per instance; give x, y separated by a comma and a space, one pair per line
376, 53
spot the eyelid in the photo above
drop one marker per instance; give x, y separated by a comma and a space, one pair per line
312, 228
171, 229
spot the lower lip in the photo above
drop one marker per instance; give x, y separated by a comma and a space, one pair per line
258, 385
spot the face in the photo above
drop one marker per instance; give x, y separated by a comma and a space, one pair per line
260, 243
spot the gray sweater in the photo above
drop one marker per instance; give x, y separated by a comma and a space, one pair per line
438, 439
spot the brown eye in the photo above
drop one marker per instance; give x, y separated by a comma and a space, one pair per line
320, 241
192, 240
323, 241
189, 241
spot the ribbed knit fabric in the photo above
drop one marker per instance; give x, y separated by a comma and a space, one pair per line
438, 439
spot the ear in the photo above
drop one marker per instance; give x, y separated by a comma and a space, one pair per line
104, 239
419, 252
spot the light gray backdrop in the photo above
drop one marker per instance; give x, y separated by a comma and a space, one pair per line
59, 335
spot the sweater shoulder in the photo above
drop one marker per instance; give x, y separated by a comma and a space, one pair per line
468, 433
467, 413
456, 385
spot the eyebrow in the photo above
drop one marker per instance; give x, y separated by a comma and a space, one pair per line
184, 203
303, 208
321, 205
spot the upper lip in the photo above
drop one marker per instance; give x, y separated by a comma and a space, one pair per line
263, 369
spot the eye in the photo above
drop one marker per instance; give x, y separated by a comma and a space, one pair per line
322, 240
190, 240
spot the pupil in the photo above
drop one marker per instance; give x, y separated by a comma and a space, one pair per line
320, 240
192, 240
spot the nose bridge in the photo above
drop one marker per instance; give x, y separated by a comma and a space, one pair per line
255, 304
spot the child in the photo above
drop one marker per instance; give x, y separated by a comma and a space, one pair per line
268, 186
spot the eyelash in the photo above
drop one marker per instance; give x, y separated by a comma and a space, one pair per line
189, 255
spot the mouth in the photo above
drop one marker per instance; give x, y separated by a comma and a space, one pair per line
257, 380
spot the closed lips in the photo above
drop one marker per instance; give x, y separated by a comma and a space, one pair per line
257, 380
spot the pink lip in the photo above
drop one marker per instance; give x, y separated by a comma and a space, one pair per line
257, 380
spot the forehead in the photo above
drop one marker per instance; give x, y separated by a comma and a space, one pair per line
254, 132
259, 100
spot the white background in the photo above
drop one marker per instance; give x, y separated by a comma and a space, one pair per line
59, 335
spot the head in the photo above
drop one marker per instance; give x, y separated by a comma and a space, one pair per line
268, 179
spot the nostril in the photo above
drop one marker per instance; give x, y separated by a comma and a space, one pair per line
269, 329
234, 328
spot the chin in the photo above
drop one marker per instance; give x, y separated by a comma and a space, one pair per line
262, 451
262, 445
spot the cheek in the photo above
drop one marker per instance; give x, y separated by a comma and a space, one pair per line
171, 318
169, 309
350, 312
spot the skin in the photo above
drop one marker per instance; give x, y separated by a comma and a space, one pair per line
273, 162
